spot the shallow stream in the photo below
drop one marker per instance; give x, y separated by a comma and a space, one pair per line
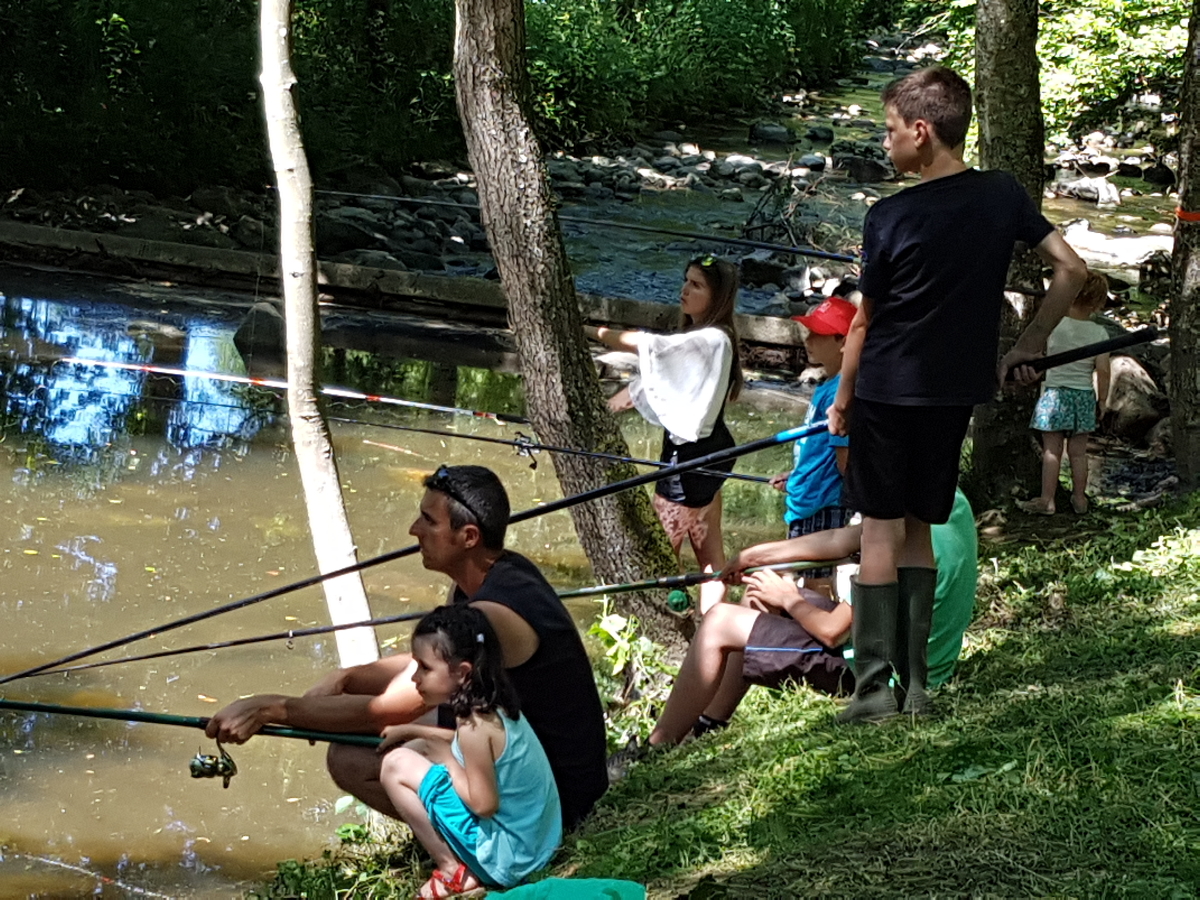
133, 499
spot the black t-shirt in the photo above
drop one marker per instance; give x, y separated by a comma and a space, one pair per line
555, 686
936, 259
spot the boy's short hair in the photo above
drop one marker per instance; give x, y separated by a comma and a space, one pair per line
938, 95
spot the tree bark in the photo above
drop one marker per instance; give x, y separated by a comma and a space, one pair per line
334, 546
1185, 266
1011, 137
621, 535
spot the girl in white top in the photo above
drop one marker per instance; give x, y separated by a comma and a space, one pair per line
682, 384
1066, 410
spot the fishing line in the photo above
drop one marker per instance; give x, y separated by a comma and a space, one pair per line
275, 384
782, 437
525, 447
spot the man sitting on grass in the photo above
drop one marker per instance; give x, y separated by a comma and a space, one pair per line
755, 643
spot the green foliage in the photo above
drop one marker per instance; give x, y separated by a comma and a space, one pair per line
1097, 56
168, 98
633, 677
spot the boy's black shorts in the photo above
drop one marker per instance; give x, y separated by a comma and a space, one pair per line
904, 459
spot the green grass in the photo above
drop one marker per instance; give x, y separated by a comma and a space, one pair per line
1062, 762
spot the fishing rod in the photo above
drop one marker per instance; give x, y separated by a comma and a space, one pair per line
526, 445
1121, 341
628, 226
201, 722
275, 384
782, 437
687, 579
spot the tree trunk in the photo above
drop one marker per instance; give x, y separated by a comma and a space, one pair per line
1011, 137
345, 597
1185, 303
621, 535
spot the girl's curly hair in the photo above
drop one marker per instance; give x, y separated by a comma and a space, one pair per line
461, 633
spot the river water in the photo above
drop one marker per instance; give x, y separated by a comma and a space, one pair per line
133, 499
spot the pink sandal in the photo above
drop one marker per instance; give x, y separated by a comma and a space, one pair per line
442, 885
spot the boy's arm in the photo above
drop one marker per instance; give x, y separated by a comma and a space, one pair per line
773, 591
833, 543
1068, 274
843, 458
839, 414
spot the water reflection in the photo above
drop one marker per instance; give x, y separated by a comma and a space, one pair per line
189, 497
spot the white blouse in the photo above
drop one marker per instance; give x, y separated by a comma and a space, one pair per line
682, 380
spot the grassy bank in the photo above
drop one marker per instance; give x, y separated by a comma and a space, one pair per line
1063, 763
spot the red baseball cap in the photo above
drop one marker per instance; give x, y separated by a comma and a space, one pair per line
833, 316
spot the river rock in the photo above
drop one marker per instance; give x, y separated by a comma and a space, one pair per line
221, 201
252, 234
1114, 252
819, 133
337, 233
373, 259
1135, 403
667, 136
1096, 190
1159, 174
862, 171
814, 162
731, 194
770, 133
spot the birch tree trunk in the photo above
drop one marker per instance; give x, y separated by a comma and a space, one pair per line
621, 535
334, 546
1185, 265
1011, 137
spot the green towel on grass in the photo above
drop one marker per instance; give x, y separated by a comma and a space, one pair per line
576, 889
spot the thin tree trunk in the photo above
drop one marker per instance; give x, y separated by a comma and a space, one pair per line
1185, 265
621, 535
334, 546
1011, 137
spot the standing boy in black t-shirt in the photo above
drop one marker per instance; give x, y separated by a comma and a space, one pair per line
921, 352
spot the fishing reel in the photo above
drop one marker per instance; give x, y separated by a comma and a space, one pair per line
206, 765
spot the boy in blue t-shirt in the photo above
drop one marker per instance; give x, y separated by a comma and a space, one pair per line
814, 486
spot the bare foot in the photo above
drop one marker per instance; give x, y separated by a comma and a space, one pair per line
1037, 506
1080, 505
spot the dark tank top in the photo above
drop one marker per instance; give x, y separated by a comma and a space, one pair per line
555, 686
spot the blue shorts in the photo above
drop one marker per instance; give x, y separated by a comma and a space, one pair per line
821, 520
454, 821
1065, 409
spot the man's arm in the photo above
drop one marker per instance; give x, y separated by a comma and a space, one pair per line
770, 590
834, 543
839, 413
345, 713
1067, 275
371, 678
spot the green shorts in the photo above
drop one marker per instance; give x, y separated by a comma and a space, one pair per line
1065, 409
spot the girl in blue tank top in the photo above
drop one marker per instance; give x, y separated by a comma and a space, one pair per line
481, 798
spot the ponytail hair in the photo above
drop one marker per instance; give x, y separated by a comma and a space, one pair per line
461, 633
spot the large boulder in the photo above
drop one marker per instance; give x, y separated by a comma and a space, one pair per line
1135, 404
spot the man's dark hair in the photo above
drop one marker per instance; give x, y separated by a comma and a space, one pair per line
461, 633
474, 496
938, 95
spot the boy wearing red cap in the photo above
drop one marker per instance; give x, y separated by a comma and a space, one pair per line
814, 486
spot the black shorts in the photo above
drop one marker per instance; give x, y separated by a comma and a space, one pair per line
822, 520
779, 651
905, 459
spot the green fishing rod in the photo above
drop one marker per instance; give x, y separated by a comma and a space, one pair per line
201, 722
711, 459
676, 582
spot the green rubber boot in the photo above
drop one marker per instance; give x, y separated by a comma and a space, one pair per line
912, 635
874, 629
